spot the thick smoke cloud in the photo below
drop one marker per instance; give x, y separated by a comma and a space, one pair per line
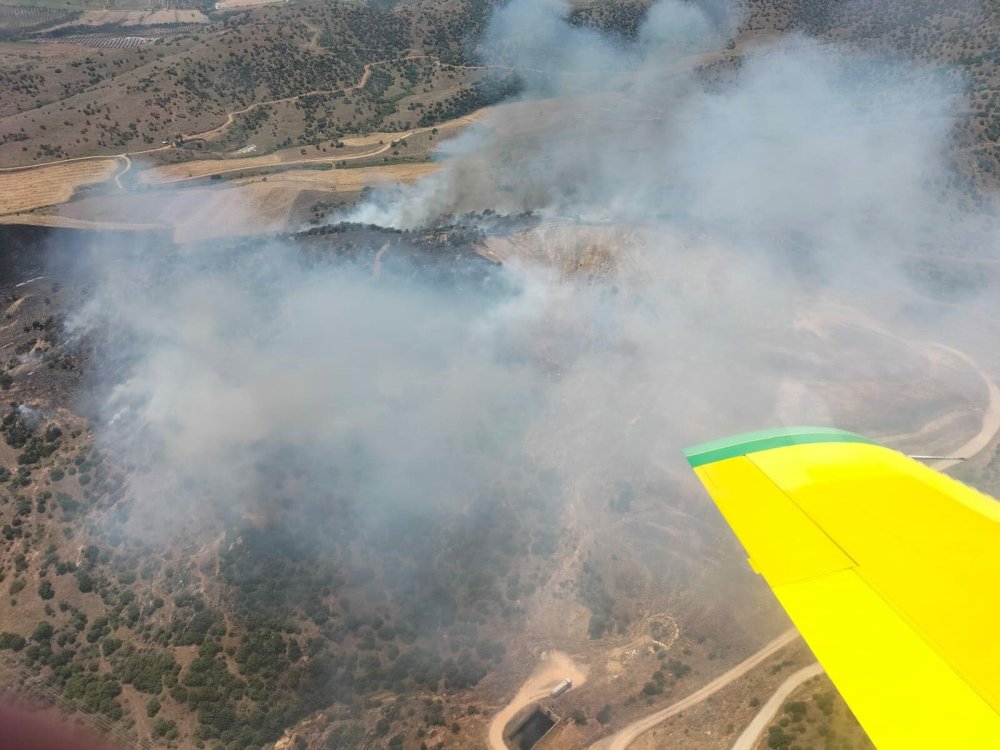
843, 150
719, 251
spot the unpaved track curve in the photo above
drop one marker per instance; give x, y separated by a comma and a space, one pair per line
991, 417
625, 737
987, 432
128, 166
366, 74
231, 116
553, 669
751, 735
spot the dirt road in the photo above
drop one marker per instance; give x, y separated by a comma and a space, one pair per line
751, 735
554, 667
366, 74
624, 737
203, 168
118, 177
230, 117
991, 417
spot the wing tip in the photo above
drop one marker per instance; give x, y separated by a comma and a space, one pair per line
762, 440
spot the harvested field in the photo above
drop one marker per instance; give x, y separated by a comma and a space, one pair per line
192, 214
249, 205
23, 190
198, 169
82, 5
345, 180
105, 41
232, 4
69, 222
17, 17
159, 17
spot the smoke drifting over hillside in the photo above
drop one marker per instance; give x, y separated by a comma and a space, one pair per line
845, 150
705, 222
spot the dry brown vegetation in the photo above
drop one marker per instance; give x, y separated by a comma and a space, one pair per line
157, 17
233, 4
71, 102
283, 175
23, 190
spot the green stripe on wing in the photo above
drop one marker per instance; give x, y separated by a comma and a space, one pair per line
762, 440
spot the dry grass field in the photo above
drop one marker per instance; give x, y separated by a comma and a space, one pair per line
233, 4
249, 205
24, 190
157, 17
192, 214
67, 222
33, 188
345, 180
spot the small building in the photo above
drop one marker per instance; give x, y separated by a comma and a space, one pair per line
529, 731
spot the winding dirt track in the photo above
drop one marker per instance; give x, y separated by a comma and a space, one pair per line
128, 166
991, 417
751, 735
231, 116
624, 737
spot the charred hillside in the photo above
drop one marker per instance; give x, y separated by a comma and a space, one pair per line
304, 592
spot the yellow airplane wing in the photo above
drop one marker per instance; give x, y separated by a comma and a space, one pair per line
890, 571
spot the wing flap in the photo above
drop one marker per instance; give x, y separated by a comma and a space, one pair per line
784, 545
902, 692
888, 569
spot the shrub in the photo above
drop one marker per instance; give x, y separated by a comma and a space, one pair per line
42, 631
84, 582
45, 589
146, 671
12, 641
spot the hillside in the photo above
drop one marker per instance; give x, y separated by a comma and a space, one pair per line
331, 69
268, 481
240, 627
961, 36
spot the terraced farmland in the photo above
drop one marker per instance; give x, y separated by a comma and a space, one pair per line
20, 18
105, 41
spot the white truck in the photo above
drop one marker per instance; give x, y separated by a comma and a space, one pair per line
561, 688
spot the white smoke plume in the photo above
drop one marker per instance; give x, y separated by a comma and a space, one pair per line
768, 239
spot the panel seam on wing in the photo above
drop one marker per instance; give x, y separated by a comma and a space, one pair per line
757, 568
932, 643
942, 653
854, 563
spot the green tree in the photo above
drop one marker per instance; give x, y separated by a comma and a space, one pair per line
42, 632
45, 589
11, 641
